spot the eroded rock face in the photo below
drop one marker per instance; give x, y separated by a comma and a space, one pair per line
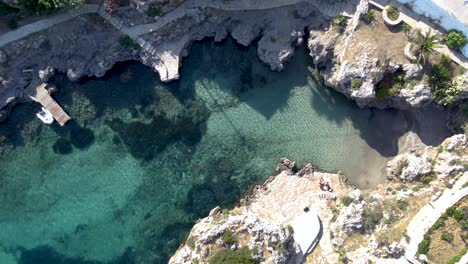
444, 161
350, 219
273, 242
409, 167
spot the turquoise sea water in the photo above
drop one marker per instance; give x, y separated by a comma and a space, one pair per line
143, 160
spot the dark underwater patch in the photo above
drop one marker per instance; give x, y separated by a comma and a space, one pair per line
47, 255
62, 146
82, 138
145, 140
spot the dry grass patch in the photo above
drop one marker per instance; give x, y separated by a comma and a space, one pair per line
384, 42
440, 250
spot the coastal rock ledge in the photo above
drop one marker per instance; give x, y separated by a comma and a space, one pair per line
90, 44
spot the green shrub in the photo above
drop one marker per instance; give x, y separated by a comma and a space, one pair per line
444, 59
340, 22
402, 204
402, 164
369, 16
427, 178
190, 243
7, 10
127, 41
47, 6
399, 78
383, 90
290, 229
356, 83
455, 39
383, 237
342, 255
406, 27
371, 217
12, 23
346, 200
458, 257
228, 237
464, 224
447, 236
423, 247
458, 215
392, 12
450, 211
227, 256
439, 73
154, 9
402, 186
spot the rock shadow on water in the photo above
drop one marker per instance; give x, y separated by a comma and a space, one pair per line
18, 129
126, 85
48, 255
382, 128
240, 65
72, 134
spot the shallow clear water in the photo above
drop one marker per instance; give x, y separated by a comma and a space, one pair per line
142, 160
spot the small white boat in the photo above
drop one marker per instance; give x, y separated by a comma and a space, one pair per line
45, 116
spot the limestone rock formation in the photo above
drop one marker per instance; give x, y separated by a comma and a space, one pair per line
444, 161
272, 242
350, 219
409, 167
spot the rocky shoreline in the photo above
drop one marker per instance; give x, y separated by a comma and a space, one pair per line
355, 223
89, 46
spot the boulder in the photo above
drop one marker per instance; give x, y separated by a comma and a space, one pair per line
408, 167
418, 95
46, 73
287, 166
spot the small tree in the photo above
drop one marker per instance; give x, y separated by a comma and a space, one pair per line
111, 5
455, 39
425, 44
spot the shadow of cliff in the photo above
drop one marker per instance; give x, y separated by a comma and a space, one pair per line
381, 129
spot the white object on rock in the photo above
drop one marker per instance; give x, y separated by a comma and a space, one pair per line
306, 230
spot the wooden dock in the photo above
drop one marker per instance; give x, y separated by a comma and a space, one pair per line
43, 97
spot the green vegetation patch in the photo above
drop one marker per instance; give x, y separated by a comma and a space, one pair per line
369, 16
392, 12
444, 89
127, 41
7, 10
347, 200
390, 85
356, 83
447, 236
458, 257
455, 39
456, 213
227, 256
48, 6
154, 9
427, 178
340, 22
371, 217
228, 237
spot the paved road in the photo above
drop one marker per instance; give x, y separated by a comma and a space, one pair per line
428, 215
330, 8
45, 23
